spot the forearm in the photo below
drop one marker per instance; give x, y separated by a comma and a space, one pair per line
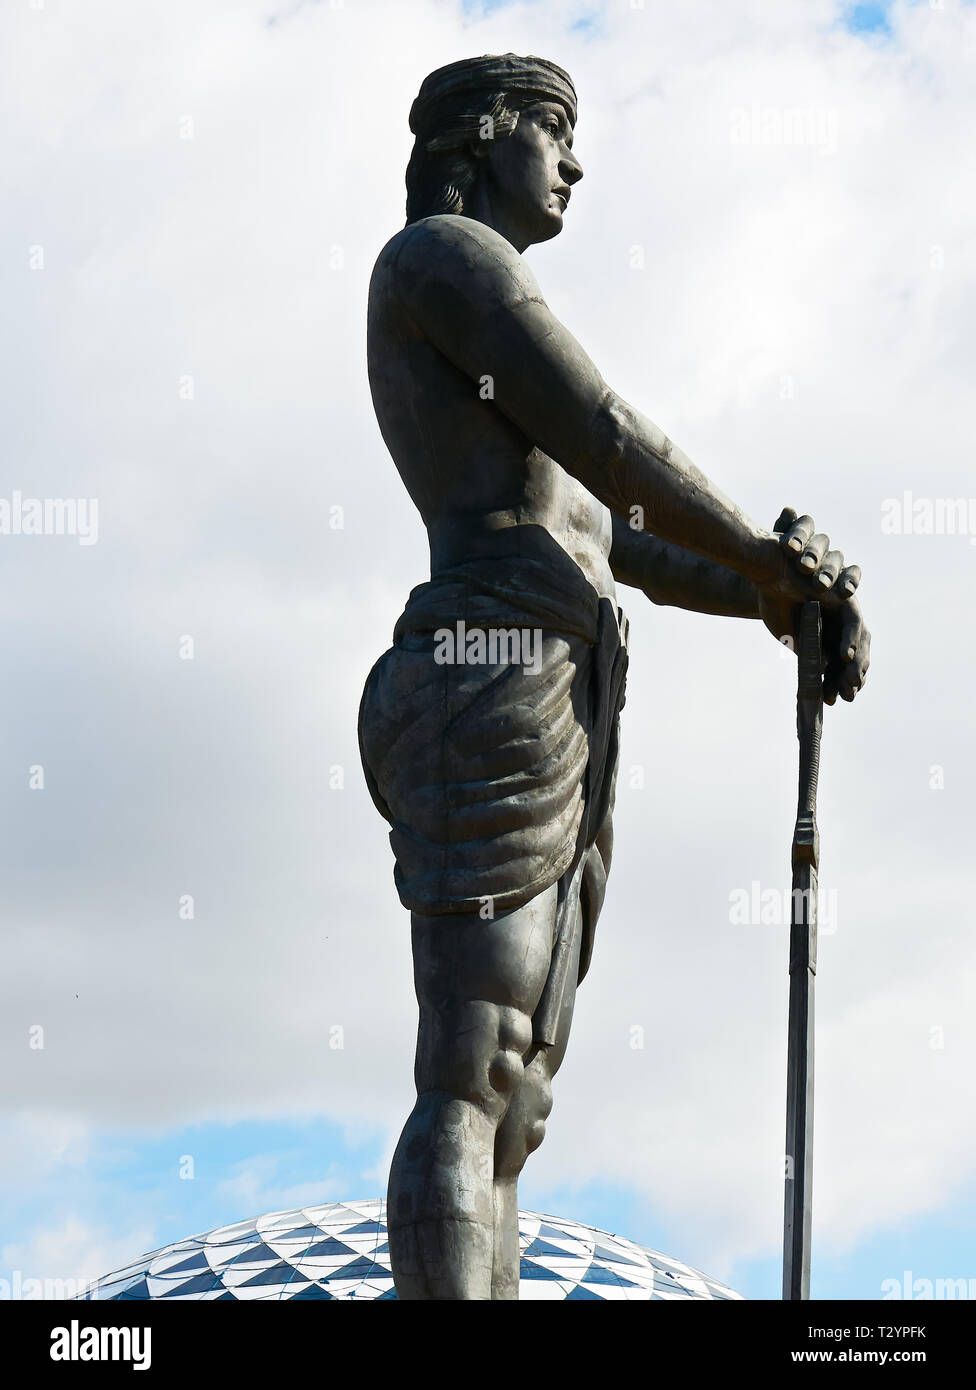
633, 465
671, 575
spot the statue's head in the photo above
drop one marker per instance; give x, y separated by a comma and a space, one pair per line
495, 132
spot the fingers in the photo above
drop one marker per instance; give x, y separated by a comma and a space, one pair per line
815, 571
850, 658
850, 680
848, 580
814, 552
849, 687
798, 533
843, 682
830, 568
857, 670
817, 566
839, 581
850, 632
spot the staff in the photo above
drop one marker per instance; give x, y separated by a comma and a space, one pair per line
803, 963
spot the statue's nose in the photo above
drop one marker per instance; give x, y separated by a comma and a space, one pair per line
570, 168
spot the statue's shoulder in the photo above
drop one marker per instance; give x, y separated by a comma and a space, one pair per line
450, 248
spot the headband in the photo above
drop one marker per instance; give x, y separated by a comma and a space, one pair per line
505, 72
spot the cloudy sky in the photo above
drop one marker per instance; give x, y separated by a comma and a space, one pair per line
771, 255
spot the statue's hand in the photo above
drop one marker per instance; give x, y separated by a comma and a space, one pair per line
811, 570
846, 640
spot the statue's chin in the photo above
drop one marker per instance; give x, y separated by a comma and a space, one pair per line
550, 225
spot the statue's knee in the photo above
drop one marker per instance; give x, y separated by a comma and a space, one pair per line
473, 1050
514, 1031
495, 1068
534, 1135
525, 1125
507, 1068
538, 1110
505, 1074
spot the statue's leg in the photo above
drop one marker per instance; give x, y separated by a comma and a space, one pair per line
522, 1131
477, 984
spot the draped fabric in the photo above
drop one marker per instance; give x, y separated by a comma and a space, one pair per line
497, 779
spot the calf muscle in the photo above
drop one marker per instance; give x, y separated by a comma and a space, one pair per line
477, 985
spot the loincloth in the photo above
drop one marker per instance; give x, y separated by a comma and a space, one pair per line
497, 778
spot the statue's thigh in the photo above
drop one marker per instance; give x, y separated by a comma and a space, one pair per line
477, 985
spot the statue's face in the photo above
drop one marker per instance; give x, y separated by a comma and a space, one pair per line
528, 174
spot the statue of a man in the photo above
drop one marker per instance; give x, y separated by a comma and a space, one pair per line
489, 729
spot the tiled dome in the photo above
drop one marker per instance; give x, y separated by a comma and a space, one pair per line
340, 1251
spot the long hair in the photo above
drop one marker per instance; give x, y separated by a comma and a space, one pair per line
442, 168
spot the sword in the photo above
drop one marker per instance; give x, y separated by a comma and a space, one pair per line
798, 1205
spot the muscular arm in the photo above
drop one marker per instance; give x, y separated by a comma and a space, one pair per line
668, 574
470, 294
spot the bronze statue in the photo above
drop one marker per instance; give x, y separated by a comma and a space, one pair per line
489, 729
